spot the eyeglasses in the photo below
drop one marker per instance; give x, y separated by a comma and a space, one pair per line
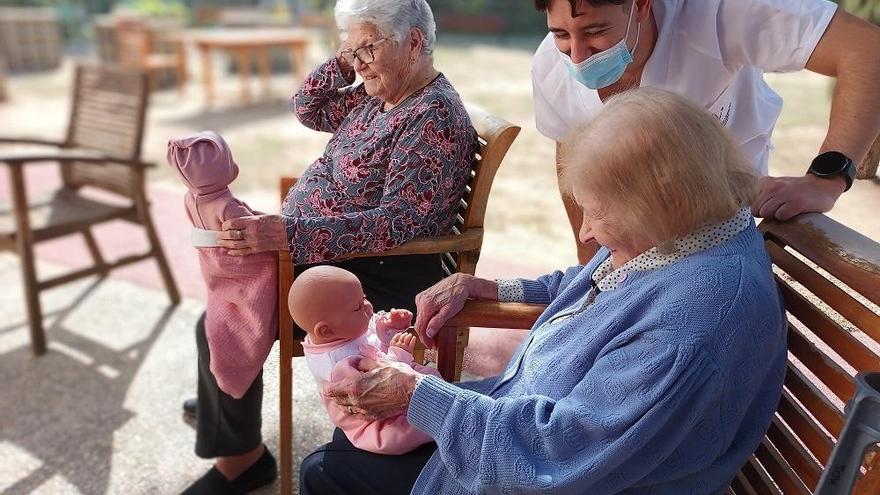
364, 54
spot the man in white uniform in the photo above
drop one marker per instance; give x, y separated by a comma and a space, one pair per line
715, 52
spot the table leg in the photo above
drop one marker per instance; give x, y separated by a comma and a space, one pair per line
207, 73
243, 58
298, 60
264, 65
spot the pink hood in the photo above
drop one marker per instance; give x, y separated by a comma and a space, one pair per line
204, 161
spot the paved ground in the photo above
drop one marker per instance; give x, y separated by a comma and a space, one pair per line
100, 412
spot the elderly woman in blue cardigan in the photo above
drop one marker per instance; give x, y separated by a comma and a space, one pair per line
655, 368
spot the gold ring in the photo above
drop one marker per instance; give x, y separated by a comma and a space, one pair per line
240, 234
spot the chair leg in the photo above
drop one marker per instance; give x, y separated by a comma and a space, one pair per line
93, 249
285, 407
158, 253
25, 241
460, 345
32, 301
450, 352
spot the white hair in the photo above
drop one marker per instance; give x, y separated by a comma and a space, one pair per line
392, 18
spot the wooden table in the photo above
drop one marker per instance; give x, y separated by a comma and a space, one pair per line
3, 95
245, 45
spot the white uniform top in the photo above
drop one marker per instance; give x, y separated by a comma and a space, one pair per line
714, 52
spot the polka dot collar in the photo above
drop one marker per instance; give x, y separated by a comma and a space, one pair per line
607, 278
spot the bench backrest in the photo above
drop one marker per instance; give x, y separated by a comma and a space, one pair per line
829, 277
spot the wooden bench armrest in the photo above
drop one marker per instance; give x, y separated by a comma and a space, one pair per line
496, 314
30, 140
68, 156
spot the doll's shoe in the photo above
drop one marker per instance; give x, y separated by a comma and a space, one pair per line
261, 473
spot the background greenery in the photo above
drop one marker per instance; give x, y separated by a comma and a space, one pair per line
516, 16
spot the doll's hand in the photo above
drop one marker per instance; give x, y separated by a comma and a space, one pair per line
397, 319
405, 341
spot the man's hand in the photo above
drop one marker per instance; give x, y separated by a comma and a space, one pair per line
783, 198
254, 234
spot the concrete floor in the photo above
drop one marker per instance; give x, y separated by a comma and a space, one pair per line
100, 412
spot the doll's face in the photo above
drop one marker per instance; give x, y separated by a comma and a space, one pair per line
348, 311
329, 303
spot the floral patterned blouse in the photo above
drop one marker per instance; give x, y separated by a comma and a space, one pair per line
386, 177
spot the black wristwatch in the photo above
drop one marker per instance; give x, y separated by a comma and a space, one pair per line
834, 164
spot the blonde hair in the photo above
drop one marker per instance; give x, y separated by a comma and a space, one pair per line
658, 164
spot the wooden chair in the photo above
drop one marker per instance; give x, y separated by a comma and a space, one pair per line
136, 47
101, 151
825, 272
460, 250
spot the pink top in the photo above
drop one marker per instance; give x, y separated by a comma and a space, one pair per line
391, 436
241, 315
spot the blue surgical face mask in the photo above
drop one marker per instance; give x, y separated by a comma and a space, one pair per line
606, 67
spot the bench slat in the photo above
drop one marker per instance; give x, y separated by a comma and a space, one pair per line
742, 486
795, 455
759, 479
837, 380
817, 441
848, 307
779, 470
844, 344
809, 395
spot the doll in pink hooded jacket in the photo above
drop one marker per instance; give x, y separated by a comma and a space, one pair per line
329, 304
241, 315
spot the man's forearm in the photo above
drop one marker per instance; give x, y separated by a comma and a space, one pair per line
848, 51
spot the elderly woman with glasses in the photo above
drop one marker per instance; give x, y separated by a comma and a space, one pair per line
655, 368
394, 169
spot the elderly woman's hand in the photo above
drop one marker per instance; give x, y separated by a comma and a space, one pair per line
254, 234
343, 60
443, 300
384, 389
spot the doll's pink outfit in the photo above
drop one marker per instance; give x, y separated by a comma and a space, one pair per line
337, 361
241, 315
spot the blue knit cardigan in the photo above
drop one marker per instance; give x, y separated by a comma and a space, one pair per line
664, 385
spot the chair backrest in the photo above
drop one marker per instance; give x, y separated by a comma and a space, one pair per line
829, 277
494, 136
133, 42
108, 115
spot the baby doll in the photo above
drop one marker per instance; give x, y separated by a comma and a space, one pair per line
329, 304
241, 315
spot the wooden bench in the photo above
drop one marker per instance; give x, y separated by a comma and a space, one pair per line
829, 277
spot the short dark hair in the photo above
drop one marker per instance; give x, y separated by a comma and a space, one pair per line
543, 5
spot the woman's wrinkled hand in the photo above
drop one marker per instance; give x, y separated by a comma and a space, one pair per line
254, 234
438, 303
343, 61
383, 390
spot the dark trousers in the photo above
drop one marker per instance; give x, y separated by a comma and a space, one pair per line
227, 426
340, 468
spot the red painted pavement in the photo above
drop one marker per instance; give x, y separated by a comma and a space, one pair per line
117, 239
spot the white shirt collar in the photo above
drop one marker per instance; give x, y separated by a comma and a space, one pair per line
605, 277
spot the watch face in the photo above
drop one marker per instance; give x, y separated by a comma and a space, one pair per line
830, 163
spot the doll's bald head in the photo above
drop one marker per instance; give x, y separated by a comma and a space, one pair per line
329, 304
